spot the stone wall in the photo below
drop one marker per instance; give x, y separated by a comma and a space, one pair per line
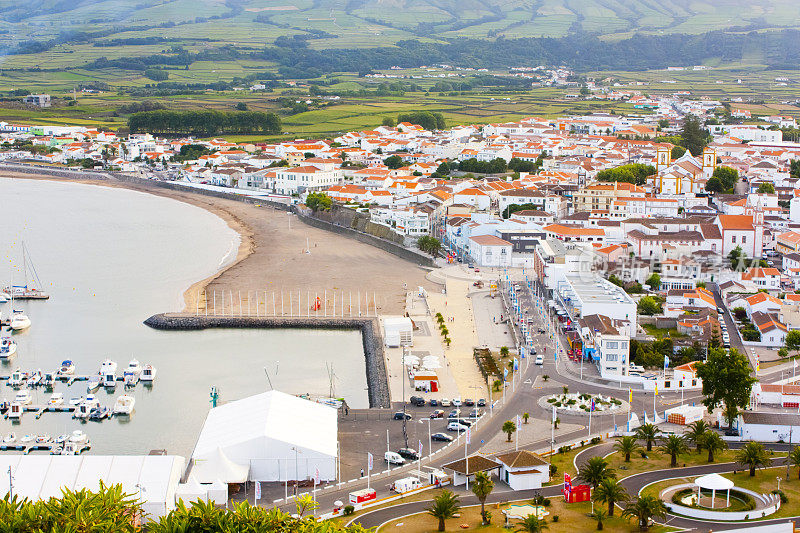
377, 381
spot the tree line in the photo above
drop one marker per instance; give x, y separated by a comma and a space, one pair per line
204, 123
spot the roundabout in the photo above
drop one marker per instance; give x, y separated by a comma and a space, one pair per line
577, 403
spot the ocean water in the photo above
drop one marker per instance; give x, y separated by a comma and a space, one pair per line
110, 258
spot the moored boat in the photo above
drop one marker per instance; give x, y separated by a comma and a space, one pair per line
8, 347
19, 320
23, 397
124, 405
56, 400
148, 373
108, 373
67, 368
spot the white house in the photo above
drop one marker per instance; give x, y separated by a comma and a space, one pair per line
768, 427
490, 251
523, 470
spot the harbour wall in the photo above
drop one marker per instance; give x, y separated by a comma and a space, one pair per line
377, 381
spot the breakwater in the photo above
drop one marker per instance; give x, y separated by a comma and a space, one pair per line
377, 380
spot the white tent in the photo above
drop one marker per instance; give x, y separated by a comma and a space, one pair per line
278, 436
218, 493
215, 466
191, 491
153, 479
397, 331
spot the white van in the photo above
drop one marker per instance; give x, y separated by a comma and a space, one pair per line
539, 360
406, 484
394, 458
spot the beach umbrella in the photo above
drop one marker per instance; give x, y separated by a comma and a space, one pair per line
432, 365
411, 360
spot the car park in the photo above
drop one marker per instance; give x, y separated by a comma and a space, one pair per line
408, 453
399, 415
442, 437
456, 426
437, 413
394, 458
481, 403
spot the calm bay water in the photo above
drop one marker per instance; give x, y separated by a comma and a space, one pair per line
110, 258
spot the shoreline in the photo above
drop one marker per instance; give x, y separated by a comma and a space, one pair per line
190, 294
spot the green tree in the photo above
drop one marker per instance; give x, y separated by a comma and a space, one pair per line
595, 470
673, 446
677, 152
693, 136
509, 427
504, 351
727, 176
610, 491
753, 456
241, 106
793, 340
626, 446
318, 201
766, 188
444, 506
714, 185
389, 122
635, 173
726, 379
532, 524
394, 162
649, 434
482, 487
654, 281
794, 459
713, 443
696, 433
525, 417
599, 515
429, 245
644, 509
648, 306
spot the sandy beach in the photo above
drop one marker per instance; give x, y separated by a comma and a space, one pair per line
273, 256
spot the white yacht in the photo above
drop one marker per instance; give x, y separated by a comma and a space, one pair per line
18, 378
94, 383
9, 439
134, 366
23, 397
19, 320
148, 373
8, 347
108, 373
27, 438
4, 297
130, 376
124, 405
85, 407
78, 437
56, 400
67, 368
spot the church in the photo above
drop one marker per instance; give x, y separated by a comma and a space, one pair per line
685, 175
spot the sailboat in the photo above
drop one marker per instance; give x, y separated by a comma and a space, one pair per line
27, 291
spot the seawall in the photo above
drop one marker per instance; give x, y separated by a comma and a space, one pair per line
377, 381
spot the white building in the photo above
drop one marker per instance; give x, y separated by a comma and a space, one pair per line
768, 427
589, 294
490, 251
306, 178
273, 435
523, 470
608, 348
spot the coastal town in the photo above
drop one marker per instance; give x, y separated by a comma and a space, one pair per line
559, 317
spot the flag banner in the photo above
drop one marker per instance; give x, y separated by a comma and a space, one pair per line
656, 389
554, 414
592, 404
316, 476
258, 490
419, 449
666, 362
630, 394
369, 461
469, 435
505, 373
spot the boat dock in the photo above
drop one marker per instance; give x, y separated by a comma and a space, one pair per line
51, 447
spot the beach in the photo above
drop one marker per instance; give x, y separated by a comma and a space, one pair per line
279, 253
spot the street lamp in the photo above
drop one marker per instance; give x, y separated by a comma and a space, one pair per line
296, 469
430, 447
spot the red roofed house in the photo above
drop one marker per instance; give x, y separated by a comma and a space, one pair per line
745, 231
763, 278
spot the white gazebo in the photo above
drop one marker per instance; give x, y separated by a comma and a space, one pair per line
714, 482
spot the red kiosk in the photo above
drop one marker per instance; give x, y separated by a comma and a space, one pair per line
576, 494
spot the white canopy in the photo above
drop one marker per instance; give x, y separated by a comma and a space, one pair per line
713, 482
276, 436
191, 491
215, 466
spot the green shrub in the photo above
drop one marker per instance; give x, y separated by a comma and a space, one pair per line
348, 510
555, 518
784, 498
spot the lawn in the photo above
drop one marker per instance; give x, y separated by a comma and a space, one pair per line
660, 333
571, 518
764, 482
656, 460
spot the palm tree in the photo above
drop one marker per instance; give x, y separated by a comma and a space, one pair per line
599, 515
595, 470
445, 505
482, 487
794, 459
649, 434
673, 446
610, 491
565, 390
532, 524
525, 417
509, 427
713, 443
645, 508
696, 433
626, 446
753, 455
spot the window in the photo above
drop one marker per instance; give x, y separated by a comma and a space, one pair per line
612, 344
744, 239
733, 239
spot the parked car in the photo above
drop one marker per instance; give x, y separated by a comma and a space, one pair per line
437, 413
469, 402
464, 422
456, 426
730, 432
482, 403
419, 401
636, 368
443, 437
434, 403
444, 402
399, 415
533, 351
475, 413
394, 458
456, 402
539, 360
455, 413
408, 453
